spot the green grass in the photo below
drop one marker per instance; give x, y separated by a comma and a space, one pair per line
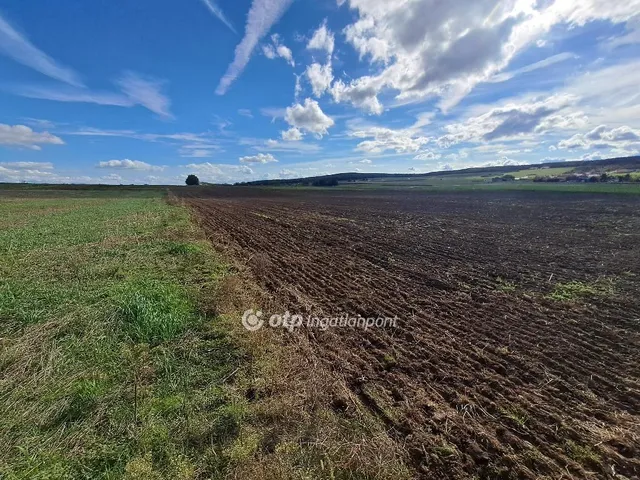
542, 172
110, 366
582, 454
505, 285
575, 290
516, 415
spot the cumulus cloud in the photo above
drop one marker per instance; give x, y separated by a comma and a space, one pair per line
127, 164
16, 46
322, 39
602, 137
503, 162
259, 158
383, 139
262, 15
513, 120
292, 135
361, 93
320, 77
444, 49
215, 9
23, 136
427, 155
277, 49
309, 117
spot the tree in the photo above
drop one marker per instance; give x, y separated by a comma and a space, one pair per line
192, 180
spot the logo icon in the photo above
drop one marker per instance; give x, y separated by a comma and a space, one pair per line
251, 320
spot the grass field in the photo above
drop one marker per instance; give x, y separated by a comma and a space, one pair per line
541, 172
110, 364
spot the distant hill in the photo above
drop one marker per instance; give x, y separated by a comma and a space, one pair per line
632, 163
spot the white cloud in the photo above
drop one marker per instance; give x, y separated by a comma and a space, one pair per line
361, 93
547, 62
145, 92
609, 95
286, 173
111, 178
444, 49
503, 162
287, 146
274, 113
262, 15
285, 52
632, 37
136, 90
23, 136
292, 135
195, 152
269, 51
383, 139
277, 49
205, 168
513, 120
427, 155
602, 137
218, 173
309, 117
27, 165
366, 161
297, 91
217, 11
61, 94
18, 47
320, 77
322, 39
127, 164
245, 112
259, 158
35, 175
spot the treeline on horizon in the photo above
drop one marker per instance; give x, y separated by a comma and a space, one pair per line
336, 178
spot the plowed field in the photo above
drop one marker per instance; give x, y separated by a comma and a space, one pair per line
516, 353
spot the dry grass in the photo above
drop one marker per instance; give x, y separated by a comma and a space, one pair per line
293, 428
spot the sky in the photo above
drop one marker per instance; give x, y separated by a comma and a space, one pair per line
151, 91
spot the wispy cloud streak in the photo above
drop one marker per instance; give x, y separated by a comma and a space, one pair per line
19, 48
219, 14
263, 14
136, 90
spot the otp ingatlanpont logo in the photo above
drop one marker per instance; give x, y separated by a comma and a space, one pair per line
251, 320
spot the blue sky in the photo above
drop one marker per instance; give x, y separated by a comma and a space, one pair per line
148, 92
